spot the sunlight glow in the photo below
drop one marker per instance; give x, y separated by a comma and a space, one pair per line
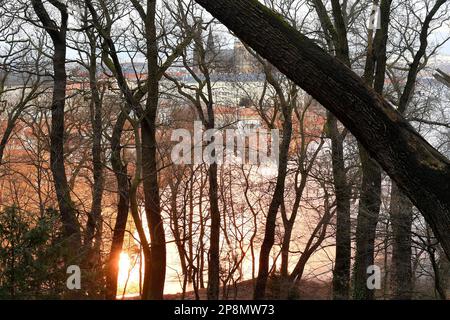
128, 279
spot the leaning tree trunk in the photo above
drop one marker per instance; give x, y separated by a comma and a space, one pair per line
401, 208
419, 170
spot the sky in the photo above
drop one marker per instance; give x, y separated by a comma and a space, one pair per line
446, 49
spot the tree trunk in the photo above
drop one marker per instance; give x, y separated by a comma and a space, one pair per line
70, 224
157, 263
341, 272
337, 37
285, 246
418, 169
7, 133
123, 190
157, 266
401, 208
440, 290
94, 223
315, 240
370, 192
179, 239
401, 220
214, 243
368, 212
277, 199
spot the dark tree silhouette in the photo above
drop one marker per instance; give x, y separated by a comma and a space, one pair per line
57, 33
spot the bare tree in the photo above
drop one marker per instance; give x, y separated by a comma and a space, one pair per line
58, 34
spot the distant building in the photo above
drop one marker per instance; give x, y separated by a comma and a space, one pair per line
245, 62
226, 60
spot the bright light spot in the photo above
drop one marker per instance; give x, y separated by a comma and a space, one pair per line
128, 276
124, 262
124, 268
